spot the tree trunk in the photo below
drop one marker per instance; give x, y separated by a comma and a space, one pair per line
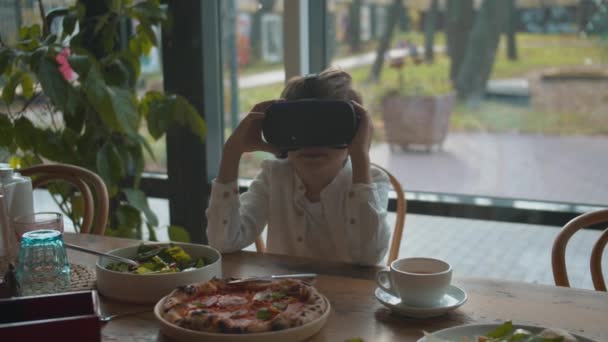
510, 30
481, 50
430, 21
385, 41
459, 21
584, 12
256, 27
354, 26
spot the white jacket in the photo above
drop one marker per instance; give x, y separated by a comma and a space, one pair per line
356, 230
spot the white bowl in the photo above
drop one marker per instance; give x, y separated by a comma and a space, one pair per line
294, 334
149, 288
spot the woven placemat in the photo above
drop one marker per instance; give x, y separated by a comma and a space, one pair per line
82, 276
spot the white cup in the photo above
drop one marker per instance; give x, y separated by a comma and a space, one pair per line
420, 282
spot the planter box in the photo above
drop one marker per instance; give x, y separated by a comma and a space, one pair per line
417, 120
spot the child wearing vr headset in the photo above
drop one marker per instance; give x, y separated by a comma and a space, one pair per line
321, 200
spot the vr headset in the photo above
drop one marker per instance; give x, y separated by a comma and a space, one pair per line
291, 125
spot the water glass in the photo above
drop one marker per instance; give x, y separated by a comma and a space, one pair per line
43, 264
37, 221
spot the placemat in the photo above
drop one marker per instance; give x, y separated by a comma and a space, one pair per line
82, 276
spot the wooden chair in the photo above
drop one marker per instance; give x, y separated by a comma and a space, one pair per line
393, 253
91, 187
558, 253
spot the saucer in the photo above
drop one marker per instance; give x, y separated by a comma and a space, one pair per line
453, 298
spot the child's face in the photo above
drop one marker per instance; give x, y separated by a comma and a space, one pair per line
313, 160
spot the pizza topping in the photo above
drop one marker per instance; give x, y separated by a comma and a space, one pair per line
228, 300
263, 314
278, 295
263, 296
206, 302
239, 313
280, 305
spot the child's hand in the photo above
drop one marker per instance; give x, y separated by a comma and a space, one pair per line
247, 137
363, 138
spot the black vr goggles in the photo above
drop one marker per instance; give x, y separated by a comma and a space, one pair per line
291, 125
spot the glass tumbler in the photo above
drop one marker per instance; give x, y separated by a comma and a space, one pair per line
37, 221
43, 264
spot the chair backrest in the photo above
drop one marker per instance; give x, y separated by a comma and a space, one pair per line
558, 253
91, 187
393, 253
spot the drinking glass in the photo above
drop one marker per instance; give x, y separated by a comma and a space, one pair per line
37, 221
43, 264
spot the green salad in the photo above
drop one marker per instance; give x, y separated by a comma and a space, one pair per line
155, 259
508, 333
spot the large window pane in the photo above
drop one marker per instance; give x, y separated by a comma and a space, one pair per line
535, 131
253, 63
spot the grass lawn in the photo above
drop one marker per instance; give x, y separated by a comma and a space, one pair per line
536, 52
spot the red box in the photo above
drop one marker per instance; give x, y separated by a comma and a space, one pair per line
72, 316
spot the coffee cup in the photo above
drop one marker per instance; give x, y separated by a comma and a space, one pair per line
420, 282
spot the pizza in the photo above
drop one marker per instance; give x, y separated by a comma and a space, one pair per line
251, 307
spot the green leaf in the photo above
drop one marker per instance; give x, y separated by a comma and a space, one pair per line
50, 39
138, 199
117, 74
81, 64
52, 82
187, 115
151, 232
178, 234
128, 219
8, 92
69, 24
109, 164
97, 94
150, 10
27, 86
123, 104
25, 134
6, 59
6, 130
157, 110
501, 331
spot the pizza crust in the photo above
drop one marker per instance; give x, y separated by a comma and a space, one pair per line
219, 307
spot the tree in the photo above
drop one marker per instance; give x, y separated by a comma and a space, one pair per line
430, 22
510, 29
481, 50
385, 41
354, 26
459, 22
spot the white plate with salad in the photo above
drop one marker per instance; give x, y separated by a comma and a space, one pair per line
506, 332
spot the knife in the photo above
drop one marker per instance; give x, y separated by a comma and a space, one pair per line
274, 277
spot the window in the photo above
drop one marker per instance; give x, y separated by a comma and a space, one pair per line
534, 132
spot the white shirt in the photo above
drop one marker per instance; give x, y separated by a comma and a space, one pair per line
354, 227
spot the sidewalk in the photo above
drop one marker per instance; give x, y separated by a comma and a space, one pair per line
278, 76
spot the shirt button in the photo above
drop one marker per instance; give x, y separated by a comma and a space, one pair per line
225, 222
301, 187
300, 239
226, 194
352, 221
299, 213
351, 194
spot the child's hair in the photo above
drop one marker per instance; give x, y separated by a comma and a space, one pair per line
330, 84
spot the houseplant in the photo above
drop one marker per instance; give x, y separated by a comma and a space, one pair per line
418, 111
80, 106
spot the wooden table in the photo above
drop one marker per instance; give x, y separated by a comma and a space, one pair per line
357, 313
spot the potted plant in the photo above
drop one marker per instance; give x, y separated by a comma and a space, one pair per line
67, 102
418, 111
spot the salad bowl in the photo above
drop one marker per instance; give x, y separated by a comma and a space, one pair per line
155, 278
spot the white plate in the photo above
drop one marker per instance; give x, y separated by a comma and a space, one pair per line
472, 330
453, 298
292, 334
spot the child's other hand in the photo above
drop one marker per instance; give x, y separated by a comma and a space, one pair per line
247, 137
363, 138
